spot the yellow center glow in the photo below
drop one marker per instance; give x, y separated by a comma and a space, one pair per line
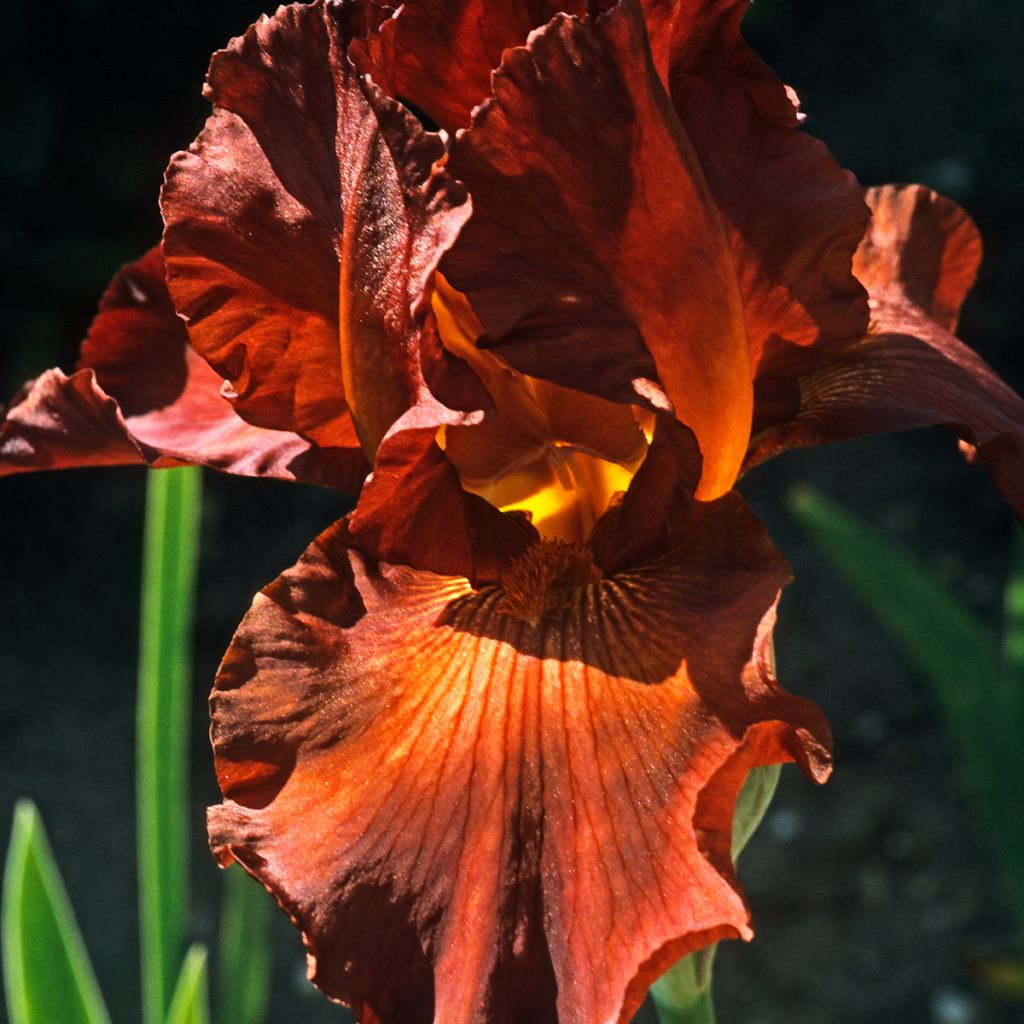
517, 460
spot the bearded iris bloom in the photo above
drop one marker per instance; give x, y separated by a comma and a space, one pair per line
484, 741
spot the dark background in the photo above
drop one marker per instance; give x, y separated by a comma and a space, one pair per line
873, 896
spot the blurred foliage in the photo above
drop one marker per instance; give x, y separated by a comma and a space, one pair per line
976, 680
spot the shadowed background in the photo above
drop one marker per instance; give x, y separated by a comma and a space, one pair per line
874, 896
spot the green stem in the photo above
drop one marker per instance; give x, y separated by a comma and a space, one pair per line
170, 556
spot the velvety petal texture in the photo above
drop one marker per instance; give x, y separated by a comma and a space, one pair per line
918, 261
438, 54
595, 256
792, 216
141, 394
302, 231
477, 819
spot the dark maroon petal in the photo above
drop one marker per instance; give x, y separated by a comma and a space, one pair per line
917, 261
61, 422
303, 229
438, 54
413, 511
792, 216
143, 394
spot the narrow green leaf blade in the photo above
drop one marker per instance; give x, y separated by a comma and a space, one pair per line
244, 953
190, 1003
938, 634
47, 973
170, 558
1013, 615
959, 655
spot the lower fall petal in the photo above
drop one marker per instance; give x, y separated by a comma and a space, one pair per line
476, 818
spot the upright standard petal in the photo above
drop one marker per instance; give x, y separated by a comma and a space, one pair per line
302, 230
595, 257
792, 216
477, 818
438, 55
918, 261
142, 394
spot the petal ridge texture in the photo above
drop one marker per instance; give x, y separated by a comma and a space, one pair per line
477, 819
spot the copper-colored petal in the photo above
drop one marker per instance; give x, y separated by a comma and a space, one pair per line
918, 260
303, 227
62, 422
156, 399
921, 250
792, 216
439, 54
595, 257
474, 819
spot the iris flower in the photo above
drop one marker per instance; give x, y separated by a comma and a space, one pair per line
539, 281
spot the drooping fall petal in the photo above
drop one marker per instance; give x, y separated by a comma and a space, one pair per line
595, 256
302, 229
792, 216
141, 394
918, 261
474, 818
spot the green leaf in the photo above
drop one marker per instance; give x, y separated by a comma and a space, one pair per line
958, 654
244, 953
190, 1003
47, 973
1013, 615
682, 995
162, 763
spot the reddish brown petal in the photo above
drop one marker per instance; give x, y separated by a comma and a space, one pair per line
413, 510
921, 250
656, 508
156, 399
705, 41
793, 217
439, 54
474, 819
918, 261
303, 227
61, 422
595, 257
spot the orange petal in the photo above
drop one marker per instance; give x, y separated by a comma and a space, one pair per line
595, 257
303, 228
921, 251
143, 394
917, 260
792, 216
475, 819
